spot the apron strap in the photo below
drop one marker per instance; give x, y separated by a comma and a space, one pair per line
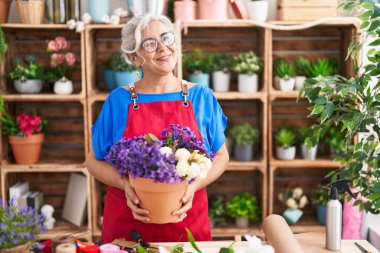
185, 93
134, 97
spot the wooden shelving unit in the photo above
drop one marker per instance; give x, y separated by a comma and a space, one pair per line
68, 138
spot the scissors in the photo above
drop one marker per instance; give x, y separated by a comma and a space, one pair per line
361, 248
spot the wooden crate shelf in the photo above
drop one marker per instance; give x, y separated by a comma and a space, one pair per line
302, 163
64, 228
42, 97
26, 40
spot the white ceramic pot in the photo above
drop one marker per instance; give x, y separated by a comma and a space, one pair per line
286, 153
309, 154
28, 86
63, 86
287, 84
257, 10
300, 82
221, 81
247, 82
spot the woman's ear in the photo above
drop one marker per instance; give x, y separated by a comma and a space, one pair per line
133, 58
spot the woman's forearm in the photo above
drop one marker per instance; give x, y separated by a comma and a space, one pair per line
104, 172
219, 165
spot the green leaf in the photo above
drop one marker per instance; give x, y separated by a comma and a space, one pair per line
321, 101
373, 196
330, 108
375, 43
192, 240
324, 116
364, 16
317, 109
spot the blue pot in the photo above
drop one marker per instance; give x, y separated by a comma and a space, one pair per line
203, 79
126, 77
109, 78
321, 214
292, 215
98, 9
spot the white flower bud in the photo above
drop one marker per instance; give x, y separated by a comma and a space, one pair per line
166, 150
80, 27
291, 203
86, 18
71, 24
297, 192
207, 162
194, 170
303, 201
203, 174
182, 168
182, 154
105, 19
114, 20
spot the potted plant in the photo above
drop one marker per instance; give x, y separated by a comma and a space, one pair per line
323, 68
294, 200
309, 144
285, 71
125, 73
198, 66
109, 74
27, 75
184, 160
247, 65
3, 53
213, 10
302, 71
19, 227
185, 10
62, 63
4, 10
244, 137
217, 211
319, 198
257, 10
285, 143
244, 208
356, 114
25, 134
220, 71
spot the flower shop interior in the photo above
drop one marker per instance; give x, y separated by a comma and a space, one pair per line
297, 79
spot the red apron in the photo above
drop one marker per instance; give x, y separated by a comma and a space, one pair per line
118, 219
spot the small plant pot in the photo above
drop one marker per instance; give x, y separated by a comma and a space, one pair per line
309, 153
243, 153
221, 81
247, 83
287, 84
257, 10
201, 78
286, 153
63, 86
185, 10
321, 214
98, 9
292, 216
213, 10
109, 79
26, 150
126, 77
242, 222
31, 12
299, 82
28, 86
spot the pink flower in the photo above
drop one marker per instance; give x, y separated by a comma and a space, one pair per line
61, 43
29, 124
52, 46
70, 59
60, 59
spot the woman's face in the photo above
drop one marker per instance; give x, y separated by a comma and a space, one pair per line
163, 59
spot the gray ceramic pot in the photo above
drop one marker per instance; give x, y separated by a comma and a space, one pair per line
28, 86
243, 153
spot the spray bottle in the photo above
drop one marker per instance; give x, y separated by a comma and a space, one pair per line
334, 214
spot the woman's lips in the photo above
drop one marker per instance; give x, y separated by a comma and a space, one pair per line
164, 58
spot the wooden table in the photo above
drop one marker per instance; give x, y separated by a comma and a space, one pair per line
310, 242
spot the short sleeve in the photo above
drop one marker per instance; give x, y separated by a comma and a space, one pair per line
217, 125
102, 138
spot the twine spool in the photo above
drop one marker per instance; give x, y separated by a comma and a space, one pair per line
65, 239
66, 248
109, 248
32, 11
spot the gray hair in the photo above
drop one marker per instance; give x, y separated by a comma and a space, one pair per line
131, 33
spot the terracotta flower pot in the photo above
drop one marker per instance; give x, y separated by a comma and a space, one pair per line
26, 150
160, 199
18, 249
4, 10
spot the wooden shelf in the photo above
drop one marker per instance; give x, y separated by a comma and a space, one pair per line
43, 97
299, 163
341, 21
62, 227
234, 95
232, 23
246, 166
43, 167
274, 94
35, 26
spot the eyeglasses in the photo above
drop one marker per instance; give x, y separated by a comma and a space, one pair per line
151, 45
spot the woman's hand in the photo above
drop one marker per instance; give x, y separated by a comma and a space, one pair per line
187, 201
133, 203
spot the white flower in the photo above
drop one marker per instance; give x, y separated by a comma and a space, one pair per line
291, 203
182, 154
255, 245
194, 170
86, 18
206, 162
71, 24
182, 168
166, 150
105, 19
120, 12
114, 20
161, 249
303, 201
80, 27
297, 192
203, 174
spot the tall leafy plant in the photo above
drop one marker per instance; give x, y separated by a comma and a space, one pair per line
3, 44
353, 108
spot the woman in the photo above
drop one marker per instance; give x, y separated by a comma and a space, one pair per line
149, 106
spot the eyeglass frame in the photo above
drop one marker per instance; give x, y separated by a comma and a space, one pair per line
161, 35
